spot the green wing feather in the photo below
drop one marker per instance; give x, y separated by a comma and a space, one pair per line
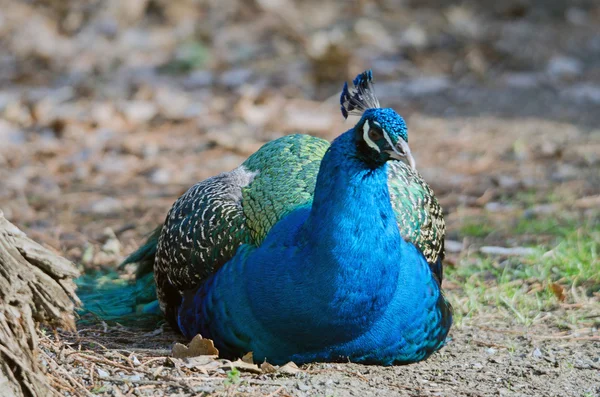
287, 173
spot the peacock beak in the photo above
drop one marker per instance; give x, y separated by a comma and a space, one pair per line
401, 151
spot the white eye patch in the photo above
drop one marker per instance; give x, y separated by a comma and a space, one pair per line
367, 139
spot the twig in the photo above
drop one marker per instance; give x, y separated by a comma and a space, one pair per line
180, 384
80, 357
569, 337
489, 344
276, 392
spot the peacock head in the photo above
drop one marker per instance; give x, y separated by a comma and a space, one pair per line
381, 133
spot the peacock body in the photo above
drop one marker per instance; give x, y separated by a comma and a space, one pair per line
310, 251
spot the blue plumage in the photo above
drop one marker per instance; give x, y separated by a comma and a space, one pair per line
332, 282
310, 251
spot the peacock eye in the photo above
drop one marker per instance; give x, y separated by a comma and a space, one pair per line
375, 134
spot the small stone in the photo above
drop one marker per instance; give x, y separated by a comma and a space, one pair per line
453, 246
112, 245
161, 176
563, 67
372, 32
577, 16
133, 378
302, 386
477, 365
584, 93
522, 80
172, 104
537, 353
139, 112
10, 134
102, 373
235, 77
198, 79
506, 182
102, 113
106, 206
503, 251
415, 36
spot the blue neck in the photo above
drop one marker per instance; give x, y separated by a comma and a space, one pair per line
351, 200
352, 233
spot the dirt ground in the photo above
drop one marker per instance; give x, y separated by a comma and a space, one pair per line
110, 110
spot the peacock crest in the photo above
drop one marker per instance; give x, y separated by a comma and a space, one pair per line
359, 98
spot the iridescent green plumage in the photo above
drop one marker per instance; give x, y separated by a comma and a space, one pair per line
287, 171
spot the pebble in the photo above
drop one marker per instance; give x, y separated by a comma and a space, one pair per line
106, 206
372, 32
10, 134
161, 176
139, 112
102, 373
420, 86
414, 36
563, 67
302, 386
503, 251
198, 79
172, 104
453, 246
235, 77
584, 93
522, 80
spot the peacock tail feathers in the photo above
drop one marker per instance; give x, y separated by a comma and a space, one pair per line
110, 297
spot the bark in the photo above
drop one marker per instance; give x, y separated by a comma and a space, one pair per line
36, 286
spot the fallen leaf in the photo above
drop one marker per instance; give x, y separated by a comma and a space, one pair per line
197, 347
558, 291
267, 368
242, 366
289, 369
248, 358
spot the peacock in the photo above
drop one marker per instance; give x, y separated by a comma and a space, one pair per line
309, 251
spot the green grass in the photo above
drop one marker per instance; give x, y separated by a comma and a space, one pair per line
521, 286
233, 377
476, 229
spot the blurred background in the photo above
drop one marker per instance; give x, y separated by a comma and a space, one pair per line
110, 109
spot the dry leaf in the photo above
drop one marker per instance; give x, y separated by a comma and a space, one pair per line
243, 366
267, 368
558, 291
289, 369
248, 358
197, 347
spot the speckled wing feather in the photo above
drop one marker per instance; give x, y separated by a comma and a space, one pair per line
202, 231
418, 213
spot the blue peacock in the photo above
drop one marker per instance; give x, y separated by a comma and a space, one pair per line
308, 251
